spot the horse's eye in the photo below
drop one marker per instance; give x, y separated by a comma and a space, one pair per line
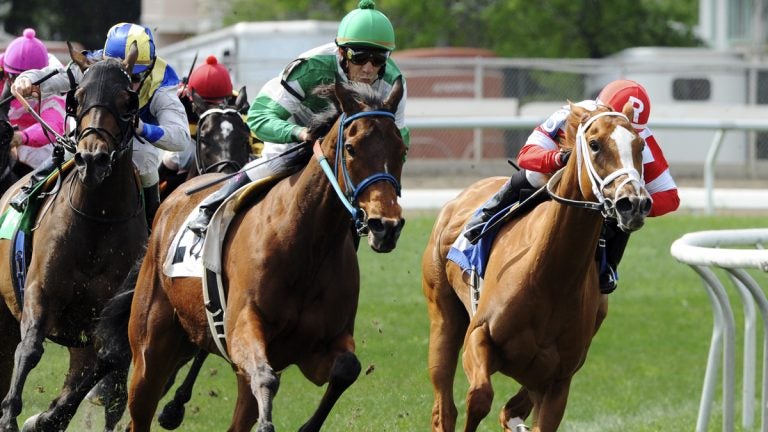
349, 149
594, 145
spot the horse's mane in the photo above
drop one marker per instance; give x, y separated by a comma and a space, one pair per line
320, 123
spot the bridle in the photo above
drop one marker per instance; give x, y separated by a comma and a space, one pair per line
201, 168
352, 194
103, 95
607, 206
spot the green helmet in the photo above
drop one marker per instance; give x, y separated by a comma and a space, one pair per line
366, 26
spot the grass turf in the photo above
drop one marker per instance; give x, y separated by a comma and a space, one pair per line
644, 371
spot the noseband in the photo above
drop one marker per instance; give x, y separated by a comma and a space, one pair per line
102, 94
349, 199
201, 168
606, 206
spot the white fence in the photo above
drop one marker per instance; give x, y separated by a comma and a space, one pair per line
708, 250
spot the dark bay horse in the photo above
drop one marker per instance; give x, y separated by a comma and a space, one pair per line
540, 304
289, 264
222, 140
86, 238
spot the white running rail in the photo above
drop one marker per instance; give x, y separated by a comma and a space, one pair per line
733, 251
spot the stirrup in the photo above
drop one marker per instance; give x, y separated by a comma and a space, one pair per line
20, 200
608, 281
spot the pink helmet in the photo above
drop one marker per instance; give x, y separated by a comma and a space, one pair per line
617, 93
24, 53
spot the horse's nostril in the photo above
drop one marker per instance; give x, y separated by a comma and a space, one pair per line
375, 225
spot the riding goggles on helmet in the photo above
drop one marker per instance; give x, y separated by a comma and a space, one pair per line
361, 57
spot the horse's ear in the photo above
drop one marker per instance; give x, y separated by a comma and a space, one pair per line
77, 57
347, 99
393, 100
241, 103
628, 110
198, 103
579, 113
130, 59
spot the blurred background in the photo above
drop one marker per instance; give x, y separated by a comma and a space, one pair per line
702, 62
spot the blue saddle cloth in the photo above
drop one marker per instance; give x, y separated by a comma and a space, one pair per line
475, 256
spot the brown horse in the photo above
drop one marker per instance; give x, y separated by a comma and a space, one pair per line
540, 304
289, 264
87, 236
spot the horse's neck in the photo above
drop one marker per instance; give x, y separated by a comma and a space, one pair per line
571, 232
315, 201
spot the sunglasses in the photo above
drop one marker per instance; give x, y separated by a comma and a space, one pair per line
377, 58
139, 77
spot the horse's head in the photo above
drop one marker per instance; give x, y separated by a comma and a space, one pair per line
609, 155
369, 157
105, 107
223, 138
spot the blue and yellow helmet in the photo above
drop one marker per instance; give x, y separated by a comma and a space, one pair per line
119, 40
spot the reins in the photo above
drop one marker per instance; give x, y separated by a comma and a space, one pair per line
349, 199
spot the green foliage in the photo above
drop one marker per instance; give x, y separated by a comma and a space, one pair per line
644, 372
550, 28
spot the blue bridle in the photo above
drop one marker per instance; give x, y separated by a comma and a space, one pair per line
349, 199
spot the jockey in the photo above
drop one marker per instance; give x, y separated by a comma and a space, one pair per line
540, 157
162, 122
31, 144
281, 111
212, 82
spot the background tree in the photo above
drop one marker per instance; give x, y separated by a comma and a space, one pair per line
511, 28
84, 21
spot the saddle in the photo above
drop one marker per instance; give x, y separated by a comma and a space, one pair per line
18, 227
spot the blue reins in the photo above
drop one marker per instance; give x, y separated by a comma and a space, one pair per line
349, 199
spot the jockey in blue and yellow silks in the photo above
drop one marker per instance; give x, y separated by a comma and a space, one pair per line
163, 122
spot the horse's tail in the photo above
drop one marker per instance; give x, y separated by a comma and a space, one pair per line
111, 333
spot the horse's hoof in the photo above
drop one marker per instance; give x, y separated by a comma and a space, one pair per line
171, 416
516, 424
31, 424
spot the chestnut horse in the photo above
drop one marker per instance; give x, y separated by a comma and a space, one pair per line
87, 236
289, 264
540, 304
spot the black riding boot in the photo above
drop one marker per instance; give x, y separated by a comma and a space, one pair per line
19, 202
151, 203
615, 243
212, 202
508, 194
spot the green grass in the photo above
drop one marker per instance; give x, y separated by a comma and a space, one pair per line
644, 371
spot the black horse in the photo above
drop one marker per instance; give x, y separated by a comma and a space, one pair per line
88, 236
222, 141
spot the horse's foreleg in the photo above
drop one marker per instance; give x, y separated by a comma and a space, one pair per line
516, 410
28, 354
552, 406
477, 365
250, 356
448, 323
344, 370
246, 408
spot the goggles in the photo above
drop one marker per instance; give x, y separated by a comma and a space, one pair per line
360, 58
